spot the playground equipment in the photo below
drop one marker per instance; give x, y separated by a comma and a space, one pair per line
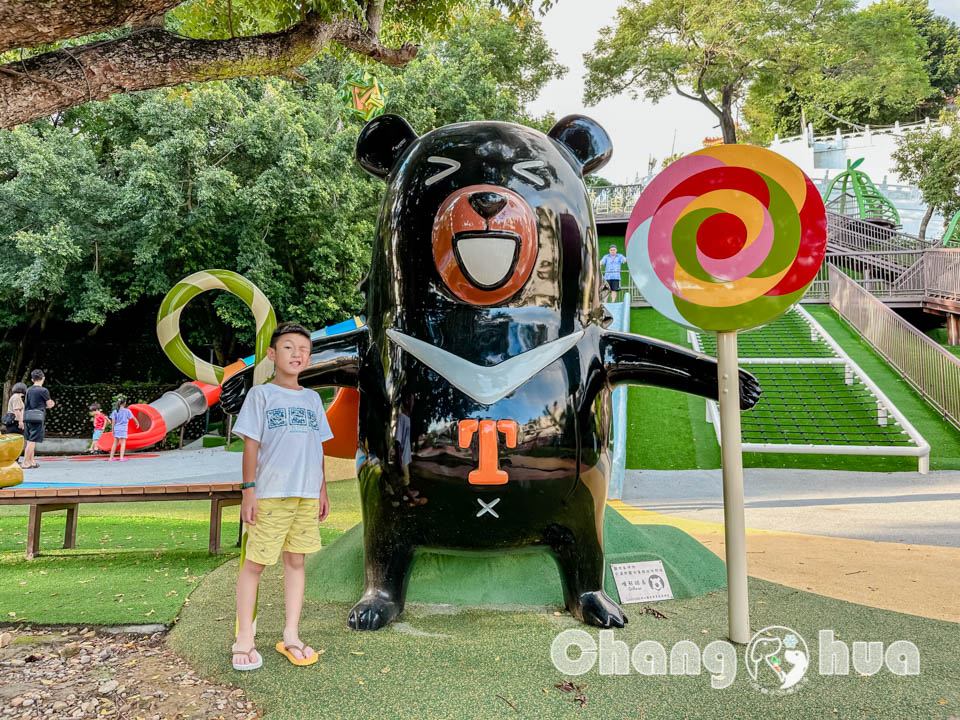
176, 407
498, 377
951, 238
10, 472
727, 239
856, 195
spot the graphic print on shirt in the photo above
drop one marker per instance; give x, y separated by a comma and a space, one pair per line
276, 418
298, 419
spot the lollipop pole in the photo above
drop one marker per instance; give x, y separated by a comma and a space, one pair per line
738, 612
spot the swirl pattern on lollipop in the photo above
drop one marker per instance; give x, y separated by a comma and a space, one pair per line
727, 238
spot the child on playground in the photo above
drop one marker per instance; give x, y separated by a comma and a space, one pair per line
99, 425
121, 418
284, 427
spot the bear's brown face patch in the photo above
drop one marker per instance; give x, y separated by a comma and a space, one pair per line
484, 243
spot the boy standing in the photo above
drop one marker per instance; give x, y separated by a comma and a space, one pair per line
284, 427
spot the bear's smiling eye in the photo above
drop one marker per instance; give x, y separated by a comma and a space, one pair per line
522, 169
453, 166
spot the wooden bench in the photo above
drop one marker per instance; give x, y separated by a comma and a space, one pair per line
49, 499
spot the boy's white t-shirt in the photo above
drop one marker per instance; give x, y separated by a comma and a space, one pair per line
291, 427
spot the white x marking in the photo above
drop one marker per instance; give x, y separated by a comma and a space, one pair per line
488, 507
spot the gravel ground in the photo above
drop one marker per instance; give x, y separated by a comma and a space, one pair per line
80, 673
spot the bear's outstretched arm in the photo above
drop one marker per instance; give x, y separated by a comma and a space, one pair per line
334, 360
639, 360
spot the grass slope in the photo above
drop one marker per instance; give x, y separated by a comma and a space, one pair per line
667, 430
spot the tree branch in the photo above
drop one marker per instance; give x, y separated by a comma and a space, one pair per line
374, 16
26, 24
155, 58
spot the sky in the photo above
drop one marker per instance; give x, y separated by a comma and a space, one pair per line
638, 128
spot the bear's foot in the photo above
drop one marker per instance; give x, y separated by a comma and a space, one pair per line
372, 613
596, 608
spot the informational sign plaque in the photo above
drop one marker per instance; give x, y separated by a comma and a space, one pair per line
641, 581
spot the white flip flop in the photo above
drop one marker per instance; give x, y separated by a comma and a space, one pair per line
253, 664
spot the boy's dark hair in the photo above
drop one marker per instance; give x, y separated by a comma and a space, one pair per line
287, 329
94, 406
36, 375
18, 388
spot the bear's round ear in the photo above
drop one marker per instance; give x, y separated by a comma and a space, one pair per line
382, 141
588, 142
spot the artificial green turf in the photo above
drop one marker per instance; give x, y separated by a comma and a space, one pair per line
528, 576
134, 563
667, 431
944, 439
442, 662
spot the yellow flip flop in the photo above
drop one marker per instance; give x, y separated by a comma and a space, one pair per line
285, 651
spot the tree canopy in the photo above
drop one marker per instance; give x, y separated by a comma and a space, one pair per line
930, 158
116, 201
703, 50
62, 53
887, 62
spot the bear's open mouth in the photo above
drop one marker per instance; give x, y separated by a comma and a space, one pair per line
487, 257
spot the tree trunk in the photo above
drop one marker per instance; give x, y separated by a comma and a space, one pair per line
24, 23
926, 221
152, 57
727, 124
14, 373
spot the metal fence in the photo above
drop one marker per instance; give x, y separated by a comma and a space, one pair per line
930, 369
941, 274
850, 233
888, 274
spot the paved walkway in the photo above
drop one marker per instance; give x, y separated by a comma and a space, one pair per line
207, 465
889, 507
887, 540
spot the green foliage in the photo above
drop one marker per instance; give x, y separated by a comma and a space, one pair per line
124, 198
704, 50
930, 159
942, 57
403, 20
869, 68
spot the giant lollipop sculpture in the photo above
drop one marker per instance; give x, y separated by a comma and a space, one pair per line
727, 239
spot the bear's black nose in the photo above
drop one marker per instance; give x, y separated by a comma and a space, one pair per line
487, 204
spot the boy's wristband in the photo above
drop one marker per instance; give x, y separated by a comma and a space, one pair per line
244, 486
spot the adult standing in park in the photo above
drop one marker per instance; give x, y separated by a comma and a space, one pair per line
611, 263
13, 420
36, 404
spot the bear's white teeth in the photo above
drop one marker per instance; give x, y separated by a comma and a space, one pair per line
487, 260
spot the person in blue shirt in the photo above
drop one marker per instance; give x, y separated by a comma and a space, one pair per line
611, 270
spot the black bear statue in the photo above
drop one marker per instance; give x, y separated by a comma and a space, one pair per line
485, 367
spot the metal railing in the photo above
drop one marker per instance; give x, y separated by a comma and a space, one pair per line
930, 369
941, 274
850, 233
888, 274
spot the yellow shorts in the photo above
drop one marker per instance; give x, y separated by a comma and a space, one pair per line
283, 524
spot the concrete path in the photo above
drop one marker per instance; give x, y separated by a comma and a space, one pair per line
207, 465
890, 507
887, 540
